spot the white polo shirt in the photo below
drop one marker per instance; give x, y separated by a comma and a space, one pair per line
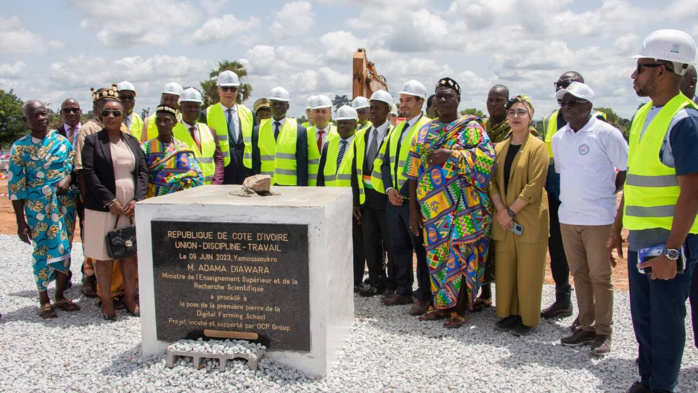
586, 161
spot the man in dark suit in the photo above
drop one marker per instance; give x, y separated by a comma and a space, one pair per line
70, 115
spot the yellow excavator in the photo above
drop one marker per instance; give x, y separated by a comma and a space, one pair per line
366, 80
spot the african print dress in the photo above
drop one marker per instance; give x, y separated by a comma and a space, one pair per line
36, 168
454, 204
172, 167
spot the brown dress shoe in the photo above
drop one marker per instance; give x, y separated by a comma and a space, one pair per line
419, 307
601, 345
578, 338
557, 310
397, 299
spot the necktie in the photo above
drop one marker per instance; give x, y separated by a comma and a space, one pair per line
128, 123
192, 130
340, 156
320, 133
399, 143
372, 149
277, 126
231, 127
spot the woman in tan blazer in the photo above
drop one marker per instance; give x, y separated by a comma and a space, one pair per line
519, 197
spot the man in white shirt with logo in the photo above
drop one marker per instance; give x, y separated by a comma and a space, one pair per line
587, 153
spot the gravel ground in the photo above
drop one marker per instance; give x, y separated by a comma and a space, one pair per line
388, 351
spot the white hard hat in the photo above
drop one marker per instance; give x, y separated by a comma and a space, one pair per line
191, 95
670, 45
393, 110
345, 112
228, 78
360, 102
125, 85
383, 96
321, 101
577, 89
309, 102
172, 88
279, 94
414, 88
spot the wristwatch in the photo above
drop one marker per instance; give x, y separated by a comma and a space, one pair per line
671, 253
510, 212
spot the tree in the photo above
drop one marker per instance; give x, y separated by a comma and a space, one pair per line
209, 89
613, 119
472, 111
11, 124
340, 101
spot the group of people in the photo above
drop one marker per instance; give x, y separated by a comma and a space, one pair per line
476, 201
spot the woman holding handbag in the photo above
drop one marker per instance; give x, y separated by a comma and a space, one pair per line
116, 178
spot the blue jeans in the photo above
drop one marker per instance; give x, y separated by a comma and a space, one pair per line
658, 309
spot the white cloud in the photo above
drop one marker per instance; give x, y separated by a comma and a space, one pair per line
15, 38
340, 45
292, 21
128, 23
212, 7
225, 27
14, 70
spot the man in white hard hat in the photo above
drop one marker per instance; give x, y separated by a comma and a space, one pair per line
591, 157
369, 204
309, 113
200, 137
393, 115
321, 133
281, 145
659, 206
360, 104
234, 123
169, 97
127, 96
688, 84
388, 178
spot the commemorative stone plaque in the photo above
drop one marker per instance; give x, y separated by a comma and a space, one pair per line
220, 280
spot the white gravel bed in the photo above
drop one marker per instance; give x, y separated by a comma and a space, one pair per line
388, 351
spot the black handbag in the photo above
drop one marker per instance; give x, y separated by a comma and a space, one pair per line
121, 243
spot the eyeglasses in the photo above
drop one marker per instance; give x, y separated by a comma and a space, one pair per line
228, 88
127, 97
70, 110
362, 111
571, 104
114, 112
519, 113
640, 66
563, 84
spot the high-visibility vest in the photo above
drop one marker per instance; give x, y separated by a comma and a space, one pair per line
306, 125
338, 177
136, 126
278, 158
208, 148
360, 154
152, 131
366, 126
314, 152
550, 128
651, 188
392, 139
216, 119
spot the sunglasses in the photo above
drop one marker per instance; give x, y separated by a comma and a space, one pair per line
570, 104
563, 84
114, 112
519, 113
640, 66
362, 111
70, 110
127, 97
228, 88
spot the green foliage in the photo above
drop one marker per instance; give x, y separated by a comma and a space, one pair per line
613, 119
11, 124
473, 111
209, 90
340, 101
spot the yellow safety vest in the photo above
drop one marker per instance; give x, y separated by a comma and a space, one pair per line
208, 148
216, 119
136, 126
333, 176
360, 154
314, 153
392, 140
550, 128
278, 158
366, 126
152, 131
651, 188
306, 125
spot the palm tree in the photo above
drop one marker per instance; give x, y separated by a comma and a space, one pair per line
210, 90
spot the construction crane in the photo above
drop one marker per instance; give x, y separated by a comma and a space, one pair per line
366, 80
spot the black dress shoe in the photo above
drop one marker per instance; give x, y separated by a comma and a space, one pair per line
397, 299
557, 310
507, 323
638, 387
369, 292
521, 330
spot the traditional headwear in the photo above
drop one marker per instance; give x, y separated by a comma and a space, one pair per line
522, 98
106, 92
261, 103
166, 109
450, 83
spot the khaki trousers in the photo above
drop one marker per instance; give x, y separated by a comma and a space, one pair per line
585, 248
519, 273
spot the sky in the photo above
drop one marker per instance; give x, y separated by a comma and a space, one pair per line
51, 50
